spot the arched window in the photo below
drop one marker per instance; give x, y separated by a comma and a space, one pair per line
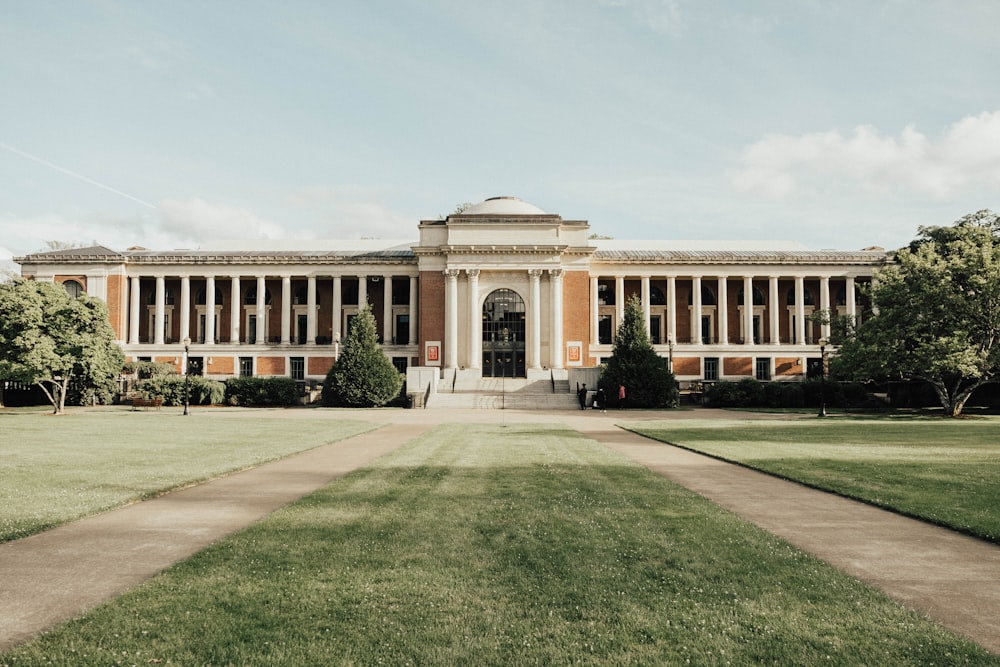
73, 288
251, 298
842, 296
200, 298
707, 297
758, 297
807, 297
300, 298
656, 297
503, 316
168, 297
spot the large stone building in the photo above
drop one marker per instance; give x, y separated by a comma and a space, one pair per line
501, 288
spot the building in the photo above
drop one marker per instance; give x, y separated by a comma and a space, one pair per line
500, 289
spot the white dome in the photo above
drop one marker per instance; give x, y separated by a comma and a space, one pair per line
503, 206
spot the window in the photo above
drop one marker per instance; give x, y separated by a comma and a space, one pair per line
605, 293
249, 300
400, 292
605, 329
73, 288
298, 368
349, 293
654, 329
400, 363
402, 336
711, 368
168, 297
763, 369
246, 366
301, 296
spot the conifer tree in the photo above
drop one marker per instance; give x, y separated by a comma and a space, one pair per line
636, 365
362, 377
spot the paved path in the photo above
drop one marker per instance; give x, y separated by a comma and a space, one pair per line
53, 576
58, 574
951, 578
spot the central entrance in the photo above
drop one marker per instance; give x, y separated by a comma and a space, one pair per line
503, 335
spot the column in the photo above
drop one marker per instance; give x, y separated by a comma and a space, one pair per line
774, 310
824, 304
311, 310
158, 316
800, 311
644, 293
595, 311
337, 309
362, 291
451, 318
234, 310
133, 307
723, 309
210, 310
475, 321
850, 297
619, 302
556, 297
286, 310
535, 317
185, 307
748, 310
672, 308
696, 336
413, 310
261, 319
387, 309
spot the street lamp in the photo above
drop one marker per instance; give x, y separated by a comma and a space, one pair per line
187, 380
822, 379
670, 348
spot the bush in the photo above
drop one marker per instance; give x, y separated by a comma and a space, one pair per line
148, 369
170, 388
363, 376
749, 393
262, 391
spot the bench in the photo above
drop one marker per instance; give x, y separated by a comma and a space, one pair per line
147, 403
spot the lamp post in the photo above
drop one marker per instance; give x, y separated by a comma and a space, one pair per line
670, 349
187, 381
822, 379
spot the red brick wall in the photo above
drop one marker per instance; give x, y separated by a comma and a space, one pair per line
787, 366
737, 366
319, 365
576, 310
687, 366
271, 366
220, 366
431, 316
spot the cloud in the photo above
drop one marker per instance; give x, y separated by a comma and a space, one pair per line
196, 219
351, 211
965, 156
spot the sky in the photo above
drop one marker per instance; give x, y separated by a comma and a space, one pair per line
171, 124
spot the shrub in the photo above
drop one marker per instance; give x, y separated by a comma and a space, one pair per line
262, 391
363, 376
148, 369
170, 388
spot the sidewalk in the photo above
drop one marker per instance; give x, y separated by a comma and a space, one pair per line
56, 575
950, 578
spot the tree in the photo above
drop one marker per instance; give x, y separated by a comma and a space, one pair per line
51, 339
362, 377
635, 364
938, 314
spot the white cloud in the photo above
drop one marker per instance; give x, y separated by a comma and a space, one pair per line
351, 211
196, 219
965, 156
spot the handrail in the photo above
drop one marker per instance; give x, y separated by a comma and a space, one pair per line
427, 394
552, 378
454, 379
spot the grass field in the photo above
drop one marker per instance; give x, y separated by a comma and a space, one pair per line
56, 469
942, 470
490, 545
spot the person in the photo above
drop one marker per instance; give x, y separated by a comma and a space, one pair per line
599, 399
582, 395
621, 397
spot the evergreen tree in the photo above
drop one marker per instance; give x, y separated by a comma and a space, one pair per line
636, 365
363, 376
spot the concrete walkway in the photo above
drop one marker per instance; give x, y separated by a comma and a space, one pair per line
56, 575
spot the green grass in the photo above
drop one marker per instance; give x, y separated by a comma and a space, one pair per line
489, 545
56, 469
943, 470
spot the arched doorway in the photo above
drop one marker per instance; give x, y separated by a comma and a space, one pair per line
503, 334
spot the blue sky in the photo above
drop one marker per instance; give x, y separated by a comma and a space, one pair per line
170, 124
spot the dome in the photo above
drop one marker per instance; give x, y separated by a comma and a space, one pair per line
503, 206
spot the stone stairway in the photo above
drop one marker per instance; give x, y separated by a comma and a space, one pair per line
507, 393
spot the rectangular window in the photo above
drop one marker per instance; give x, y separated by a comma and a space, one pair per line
298, 368
763, 369
400, 363
400, 292
402, 329
246, 366
605, 329
711, 368
301, 327
654, 329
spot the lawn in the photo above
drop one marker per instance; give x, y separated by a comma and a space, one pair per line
56, 469
492, 545
943, 470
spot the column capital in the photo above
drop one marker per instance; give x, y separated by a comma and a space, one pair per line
451, 274
556, 273
472, 273
534, 274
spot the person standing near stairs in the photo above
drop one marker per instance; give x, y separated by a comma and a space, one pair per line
582, 395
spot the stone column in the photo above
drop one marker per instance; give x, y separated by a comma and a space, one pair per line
261, 317
210, 310
387, 309
850, 297
451, 318
475, 321
362, 291
535, 317
672, 308
311, 310
723, 310
696, 336
774, 310
158, 316
644, 295
556, 351
619, 301
800, 311
185, 329
134, 304
413, 310
824, 304
286, 310
337, 308
748, 310
234, 310
595, 311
